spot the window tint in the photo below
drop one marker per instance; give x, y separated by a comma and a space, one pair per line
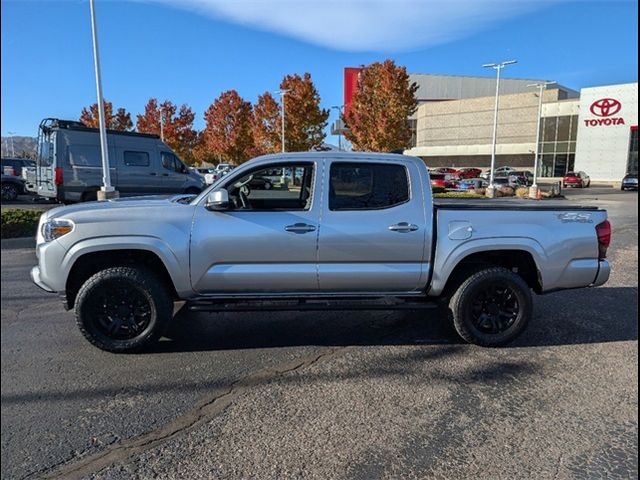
85, 156
136, 159
286, 187
367, 186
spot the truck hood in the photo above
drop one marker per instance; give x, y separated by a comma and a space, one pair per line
150, 201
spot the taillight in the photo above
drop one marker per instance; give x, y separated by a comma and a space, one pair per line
58, 178
603, 230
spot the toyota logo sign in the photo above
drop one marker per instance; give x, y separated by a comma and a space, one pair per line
605, 107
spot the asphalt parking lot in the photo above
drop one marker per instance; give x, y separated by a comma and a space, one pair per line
330, 394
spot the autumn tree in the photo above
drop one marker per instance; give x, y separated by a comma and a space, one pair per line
266, 126
177, 126
378, 115
227, 135
121, 120
305, 121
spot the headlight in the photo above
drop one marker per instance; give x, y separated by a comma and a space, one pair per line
56, 228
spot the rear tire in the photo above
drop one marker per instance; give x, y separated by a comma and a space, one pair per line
123, 309
491, 307
90, 196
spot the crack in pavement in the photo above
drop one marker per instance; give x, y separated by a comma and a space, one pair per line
205, 411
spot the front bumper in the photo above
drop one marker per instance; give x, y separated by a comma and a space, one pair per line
37, 279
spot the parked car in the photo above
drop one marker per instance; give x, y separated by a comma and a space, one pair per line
576, 179
446, 170
498, 172
15, 166
210, 175
362, 231
69, 165
472, 184
469, 173
437, 180
12, 186
630, 182
524, 177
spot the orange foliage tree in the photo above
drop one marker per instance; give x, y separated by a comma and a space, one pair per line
121, 120
378, 115
227, 136
266, 126
177, 126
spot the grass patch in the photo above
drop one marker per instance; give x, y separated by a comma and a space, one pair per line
19, 222
457, 195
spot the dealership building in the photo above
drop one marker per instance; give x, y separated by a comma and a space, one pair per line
594, 130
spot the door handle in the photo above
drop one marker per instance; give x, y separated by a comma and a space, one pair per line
153, 174
300, 228
403, 227
165, 174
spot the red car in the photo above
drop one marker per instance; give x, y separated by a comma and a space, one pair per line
576, 179
442, 180
446, 170
469, 173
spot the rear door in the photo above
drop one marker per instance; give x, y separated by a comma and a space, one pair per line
374, 234
137, 174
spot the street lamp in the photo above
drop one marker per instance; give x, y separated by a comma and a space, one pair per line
282, 93
491, 190
11, 134
533, 190
106, 191
339, 109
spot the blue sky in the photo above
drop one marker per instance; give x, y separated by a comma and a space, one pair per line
189, 51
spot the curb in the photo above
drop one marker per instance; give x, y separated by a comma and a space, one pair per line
17, 243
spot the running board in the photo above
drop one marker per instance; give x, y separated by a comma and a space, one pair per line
308, 305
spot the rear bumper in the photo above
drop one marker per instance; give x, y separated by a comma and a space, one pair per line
604, 270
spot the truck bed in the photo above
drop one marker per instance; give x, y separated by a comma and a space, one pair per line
507, 204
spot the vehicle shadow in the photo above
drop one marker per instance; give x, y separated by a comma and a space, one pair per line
564, 318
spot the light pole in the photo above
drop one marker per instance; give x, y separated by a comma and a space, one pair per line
491, 190
106, 191
533, 190
282, 93
339, 109
161, 123
13, 152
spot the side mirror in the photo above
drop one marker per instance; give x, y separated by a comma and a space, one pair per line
217, 200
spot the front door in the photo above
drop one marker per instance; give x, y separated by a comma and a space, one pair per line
266, 242
375, 234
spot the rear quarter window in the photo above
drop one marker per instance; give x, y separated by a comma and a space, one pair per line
84, 156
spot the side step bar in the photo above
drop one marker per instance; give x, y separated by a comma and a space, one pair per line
223, 305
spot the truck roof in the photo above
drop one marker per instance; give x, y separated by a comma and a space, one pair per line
354, 156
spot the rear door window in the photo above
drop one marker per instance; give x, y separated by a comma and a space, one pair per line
367, 186
84, 156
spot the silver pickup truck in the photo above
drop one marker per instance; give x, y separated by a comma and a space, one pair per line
341, 231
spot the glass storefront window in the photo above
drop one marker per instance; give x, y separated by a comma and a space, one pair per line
560, 166
563, 128
562, 147
632, 161
571, 163
572, 147
549, 129
548, 147
573, 135
546, 166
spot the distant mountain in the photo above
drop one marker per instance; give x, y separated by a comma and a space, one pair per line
22, 146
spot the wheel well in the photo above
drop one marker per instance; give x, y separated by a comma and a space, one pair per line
90, 263
518, 261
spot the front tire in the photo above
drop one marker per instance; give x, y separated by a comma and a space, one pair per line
491, 307
123, 309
